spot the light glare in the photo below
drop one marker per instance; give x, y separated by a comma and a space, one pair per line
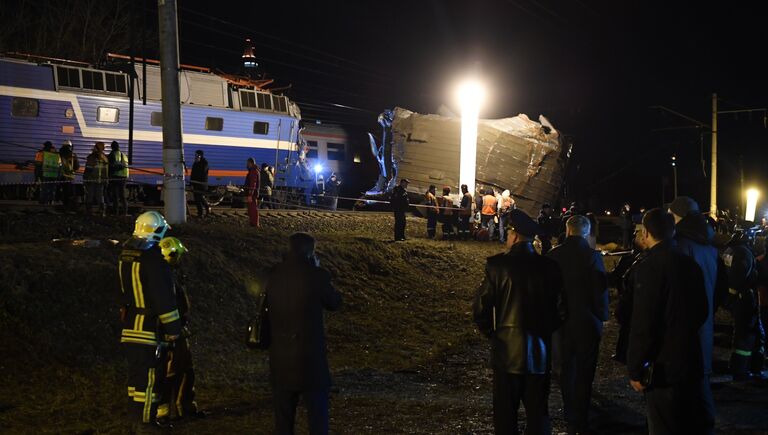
752, 195
471, 94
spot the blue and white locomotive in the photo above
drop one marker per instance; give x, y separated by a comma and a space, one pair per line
227, 119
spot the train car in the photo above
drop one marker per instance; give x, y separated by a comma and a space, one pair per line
57, 100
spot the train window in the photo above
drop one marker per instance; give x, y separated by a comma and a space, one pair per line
25, 107
312, 153
265, 101
248, 99
215, 124
115, 82
336, 151
108, 114
69, 77
156, 119
260, 127
93, 80
279, 104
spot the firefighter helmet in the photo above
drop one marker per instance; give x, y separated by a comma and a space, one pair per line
172, 249
151, 225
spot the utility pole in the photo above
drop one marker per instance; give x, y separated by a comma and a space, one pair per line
674, 173
713, 170
173, 151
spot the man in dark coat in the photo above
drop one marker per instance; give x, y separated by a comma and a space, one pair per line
518, 308
577, 342
199, 179
400, 203
298, 291
548, 228
694, 238
664, 358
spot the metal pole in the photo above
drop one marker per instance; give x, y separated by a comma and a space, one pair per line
144, 59
277, 147
173, 150
713, 186
674, 174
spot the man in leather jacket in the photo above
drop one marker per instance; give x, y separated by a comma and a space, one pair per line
518, 307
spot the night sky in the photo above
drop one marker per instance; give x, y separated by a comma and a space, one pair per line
593, 68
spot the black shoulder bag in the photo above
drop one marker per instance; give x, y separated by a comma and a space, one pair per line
258, 328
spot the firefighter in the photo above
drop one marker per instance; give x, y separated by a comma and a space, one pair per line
747, 355
447, 214
179, 386
150, 316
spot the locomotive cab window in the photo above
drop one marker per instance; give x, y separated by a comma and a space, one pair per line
115, 82
108, 114
68, 77
260, 127
25, 107
93, 80
215, 124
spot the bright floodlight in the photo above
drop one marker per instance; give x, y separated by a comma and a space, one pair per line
318, 168
471, 94
752, 195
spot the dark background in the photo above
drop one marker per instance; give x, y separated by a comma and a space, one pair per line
594, 68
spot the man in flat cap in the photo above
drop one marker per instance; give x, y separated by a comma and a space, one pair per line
518, 307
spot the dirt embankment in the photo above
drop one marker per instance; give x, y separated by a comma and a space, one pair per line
403, 350
405, 305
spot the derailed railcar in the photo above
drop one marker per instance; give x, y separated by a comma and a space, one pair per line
58, 100
527, 157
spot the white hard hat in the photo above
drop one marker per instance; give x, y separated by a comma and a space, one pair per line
151, 225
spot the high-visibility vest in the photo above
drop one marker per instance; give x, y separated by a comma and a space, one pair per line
122, 159
489, 205
51, 164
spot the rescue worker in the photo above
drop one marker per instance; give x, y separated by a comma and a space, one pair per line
505, 205
94, 178
150, 316
265, 190
252, 190
488, 212
741, 266
118, 174
399, 202
49, 164
447, 213
179, 386
199, 180
332, 191
465, 213
69, 167
432, 211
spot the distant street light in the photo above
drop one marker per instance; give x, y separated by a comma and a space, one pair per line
752, 195
471, 94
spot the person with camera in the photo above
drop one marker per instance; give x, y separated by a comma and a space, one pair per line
298, 291
664, 359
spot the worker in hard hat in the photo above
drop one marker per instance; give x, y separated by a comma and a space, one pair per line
150, 316
179, 386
